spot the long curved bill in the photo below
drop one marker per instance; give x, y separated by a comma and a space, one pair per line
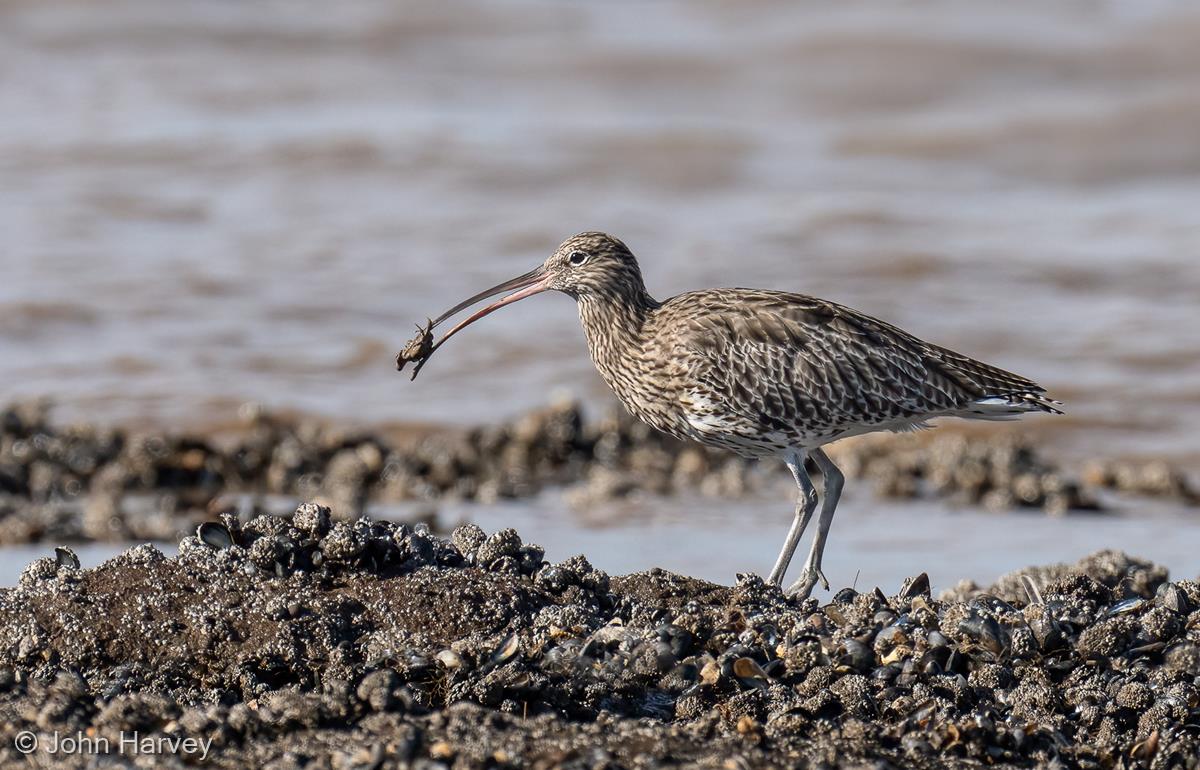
533, 282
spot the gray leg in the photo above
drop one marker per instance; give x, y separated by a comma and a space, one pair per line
833, 481
806, 503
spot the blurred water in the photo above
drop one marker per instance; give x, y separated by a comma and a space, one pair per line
872, 543
210, 202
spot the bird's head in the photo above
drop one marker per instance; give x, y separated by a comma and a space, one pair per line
593, 264
584, 266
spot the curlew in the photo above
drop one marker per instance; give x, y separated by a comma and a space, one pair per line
761, 373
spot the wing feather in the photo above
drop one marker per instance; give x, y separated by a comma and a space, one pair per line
752, 361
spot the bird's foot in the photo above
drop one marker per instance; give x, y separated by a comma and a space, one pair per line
806, 582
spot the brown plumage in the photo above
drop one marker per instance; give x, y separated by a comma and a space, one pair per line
762, 373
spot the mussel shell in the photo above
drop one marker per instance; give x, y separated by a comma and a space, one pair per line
775, 668
1126, 606
915, 586
856, 655
986, 632
957, 663
748, 668
886, 673
449, 658
993, 604
506, 651
937, 639
65, 557
934, 660
891, 637
844, 596
1173, 598
215, 535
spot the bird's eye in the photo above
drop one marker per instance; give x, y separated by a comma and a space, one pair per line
577, 258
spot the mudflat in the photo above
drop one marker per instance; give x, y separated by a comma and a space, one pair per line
303, 642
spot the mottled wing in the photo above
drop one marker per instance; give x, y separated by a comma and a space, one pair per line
974, 379
794, 368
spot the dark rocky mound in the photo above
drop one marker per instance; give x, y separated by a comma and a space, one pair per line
305, 643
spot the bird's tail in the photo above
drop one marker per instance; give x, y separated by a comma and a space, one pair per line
1010, 406
1002, 395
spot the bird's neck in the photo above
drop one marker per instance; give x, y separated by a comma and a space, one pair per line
613, 325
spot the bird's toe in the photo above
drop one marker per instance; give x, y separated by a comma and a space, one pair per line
804, 585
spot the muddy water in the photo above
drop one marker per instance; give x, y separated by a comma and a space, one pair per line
207, 203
